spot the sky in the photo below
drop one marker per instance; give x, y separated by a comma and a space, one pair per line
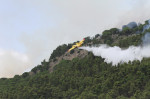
31, 29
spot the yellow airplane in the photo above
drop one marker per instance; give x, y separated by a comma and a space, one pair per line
77, 45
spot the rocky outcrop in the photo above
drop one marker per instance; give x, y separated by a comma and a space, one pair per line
78, 53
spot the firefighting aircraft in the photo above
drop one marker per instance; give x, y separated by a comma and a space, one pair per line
77, 45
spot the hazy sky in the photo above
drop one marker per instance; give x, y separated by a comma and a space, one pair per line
31, 29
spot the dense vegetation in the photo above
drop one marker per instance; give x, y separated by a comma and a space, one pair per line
86, 78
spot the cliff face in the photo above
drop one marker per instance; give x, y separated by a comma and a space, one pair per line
76, 53
67, 56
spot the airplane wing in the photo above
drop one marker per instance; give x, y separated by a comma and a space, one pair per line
73, 47
76, 45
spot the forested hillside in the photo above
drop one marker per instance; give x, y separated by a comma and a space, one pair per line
81, 75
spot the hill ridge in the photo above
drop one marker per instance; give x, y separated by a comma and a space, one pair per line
81, 75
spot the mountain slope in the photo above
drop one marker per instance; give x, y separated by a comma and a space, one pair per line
81, 75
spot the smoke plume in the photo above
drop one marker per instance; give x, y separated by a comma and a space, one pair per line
10, 60
117, 55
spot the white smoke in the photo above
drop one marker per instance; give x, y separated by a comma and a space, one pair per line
117, 55
146, 39
10, 60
